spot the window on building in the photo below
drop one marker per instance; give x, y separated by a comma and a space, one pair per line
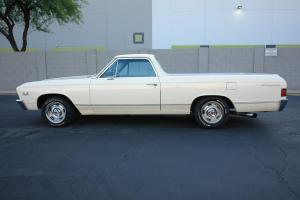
138, 38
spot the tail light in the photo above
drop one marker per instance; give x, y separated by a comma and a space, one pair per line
283, 92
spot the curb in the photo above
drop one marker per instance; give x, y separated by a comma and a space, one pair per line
293, 92
8, 92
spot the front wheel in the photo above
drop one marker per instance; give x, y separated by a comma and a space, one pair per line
211, 112
57, 111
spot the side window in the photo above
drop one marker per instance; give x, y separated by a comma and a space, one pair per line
123, 68
111, 71
135, 68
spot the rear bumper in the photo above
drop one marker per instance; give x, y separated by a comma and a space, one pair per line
21, 103
283, 104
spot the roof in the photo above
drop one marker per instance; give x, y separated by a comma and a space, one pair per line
135, 56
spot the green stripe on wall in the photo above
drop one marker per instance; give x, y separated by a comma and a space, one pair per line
213, 46
290, 46
77, 49
58, 49
234, 46
9, 50
185, 46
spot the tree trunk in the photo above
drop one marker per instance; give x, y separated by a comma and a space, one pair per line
11, 39
9, 34
25, 31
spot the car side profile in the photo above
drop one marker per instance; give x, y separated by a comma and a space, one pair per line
136, 84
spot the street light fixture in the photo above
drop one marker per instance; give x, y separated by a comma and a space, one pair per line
239, 7
239, 10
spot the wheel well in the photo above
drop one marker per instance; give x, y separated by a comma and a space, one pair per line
41, 100
226, 99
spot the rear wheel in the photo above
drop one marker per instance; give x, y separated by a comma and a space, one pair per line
211, 112
57, 111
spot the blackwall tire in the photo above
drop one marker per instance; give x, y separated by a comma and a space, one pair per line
211, 112
58, 112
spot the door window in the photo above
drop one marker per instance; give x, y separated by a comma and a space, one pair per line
111, 71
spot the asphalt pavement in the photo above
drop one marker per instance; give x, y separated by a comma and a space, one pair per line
149, 157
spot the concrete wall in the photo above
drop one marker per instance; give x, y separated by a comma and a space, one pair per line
106, 23
17, 68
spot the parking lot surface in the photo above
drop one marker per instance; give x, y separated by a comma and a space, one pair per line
149, 157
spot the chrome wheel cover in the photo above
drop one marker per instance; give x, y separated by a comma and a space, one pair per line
55, 112
211, 112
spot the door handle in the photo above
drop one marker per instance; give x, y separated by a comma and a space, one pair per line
152, 84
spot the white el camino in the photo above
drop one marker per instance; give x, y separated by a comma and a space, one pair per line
136, 84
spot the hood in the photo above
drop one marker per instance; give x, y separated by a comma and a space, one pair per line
56, 81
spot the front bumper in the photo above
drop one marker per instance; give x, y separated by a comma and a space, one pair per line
283, 104
21, 103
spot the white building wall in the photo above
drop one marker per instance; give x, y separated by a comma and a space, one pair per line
216, 22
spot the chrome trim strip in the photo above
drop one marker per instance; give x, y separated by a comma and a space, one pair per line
256, 102
270, 84
131, 104
21, 103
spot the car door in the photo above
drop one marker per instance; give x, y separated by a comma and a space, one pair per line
128, 86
